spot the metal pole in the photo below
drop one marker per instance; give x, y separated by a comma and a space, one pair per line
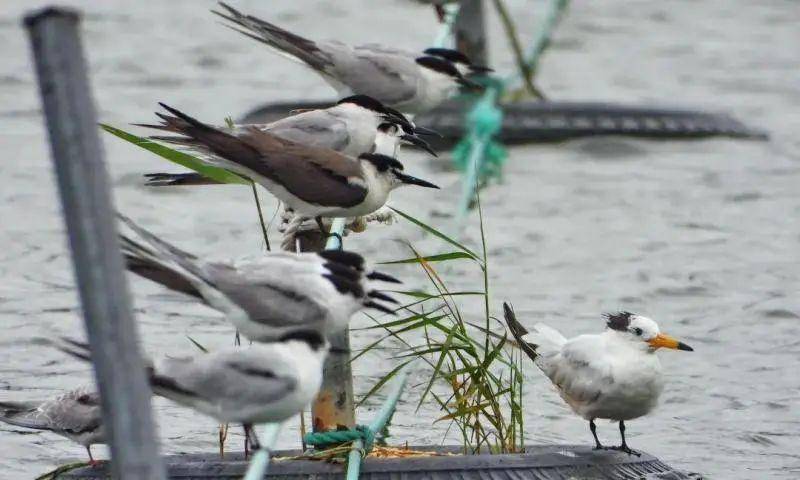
88, 210
470, 31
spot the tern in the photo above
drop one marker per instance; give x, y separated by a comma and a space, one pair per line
357, 124
75, 415
613, 375
265, 297
410, 83
314, 182
263, 383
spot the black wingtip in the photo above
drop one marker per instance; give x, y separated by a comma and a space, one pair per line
381, 296
511, 319
378, 306
345, 257
382, 277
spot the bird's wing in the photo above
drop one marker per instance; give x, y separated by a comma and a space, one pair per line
279, 296
391, 78
318, 176
284, 42
74, 412
226, 379
581, 370
316, 128
24, 414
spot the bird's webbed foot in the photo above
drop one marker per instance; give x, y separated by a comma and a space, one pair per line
625, 449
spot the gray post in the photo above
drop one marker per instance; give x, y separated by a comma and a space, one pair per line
88, 210
470, 31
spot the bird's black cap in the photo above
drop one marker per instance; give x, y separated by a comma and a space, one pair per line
440, 65
381, 162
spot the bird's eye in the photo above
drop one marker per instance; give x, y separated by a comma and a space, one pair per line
637, 331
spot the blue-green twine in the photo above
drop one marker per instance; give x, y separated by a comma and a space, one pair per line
333, 438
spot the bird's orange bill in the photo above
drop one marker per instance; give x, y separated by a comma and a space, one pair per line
666, 341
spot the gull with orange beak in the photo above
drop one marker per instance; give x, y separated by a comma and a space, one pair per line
613, 375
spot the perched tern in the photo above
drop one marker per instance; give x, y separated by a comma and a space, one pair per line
75, 415
408, 82
265, 297
263, 383
356, 125
314, 182
613, 375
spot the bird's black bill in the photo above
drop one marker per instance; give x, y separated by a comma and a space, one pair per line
415, 140
683, 346
480, 69
427, 131
467, 83
409, 180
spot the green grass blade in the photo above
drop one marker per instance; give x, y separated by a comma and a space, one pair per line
181, 158
436, 233
382, 382
442, 257
197, 344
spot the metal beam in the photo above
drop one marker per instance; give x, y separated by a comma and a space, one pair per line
89, 213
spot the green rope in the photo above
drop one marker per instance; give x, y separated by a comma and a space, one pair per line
362, 437
478, 154
333, 438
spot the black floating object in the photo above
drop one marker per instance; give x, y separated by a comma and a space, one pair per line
550, 462
544, 121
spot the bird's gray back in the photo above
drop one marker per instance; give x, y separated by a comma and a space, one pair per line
233, 377
317, 128
269, 295
390, 77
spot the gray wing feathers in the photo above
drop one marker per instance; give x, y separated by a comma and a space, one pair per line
268, 300
285, 42
23, 414
74, 412
230, 379
392, 78
317, 128
161, 262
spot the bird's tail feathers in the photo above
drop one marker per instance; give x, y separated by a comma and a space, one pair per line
22, 414
519, 332
159, 261
177, 179
281, 41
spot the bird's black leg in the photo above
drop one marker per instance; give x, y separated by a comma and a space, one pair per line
624, 447
92, 461
593, 428
250, 436
246, 440
330, 234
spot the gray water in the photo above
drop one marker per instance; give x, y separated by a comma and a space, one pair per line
702, 236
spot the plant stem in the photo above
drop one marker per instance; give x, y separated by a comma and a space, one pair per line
526, 72
260, 216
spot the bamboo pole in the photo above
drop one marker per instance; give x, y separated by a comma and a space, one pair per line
89, 214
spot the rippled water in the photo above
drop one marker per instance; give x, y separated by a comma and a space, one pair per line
702, 236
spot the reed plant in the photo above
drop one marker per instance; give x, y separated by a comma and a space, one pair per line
474, 380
